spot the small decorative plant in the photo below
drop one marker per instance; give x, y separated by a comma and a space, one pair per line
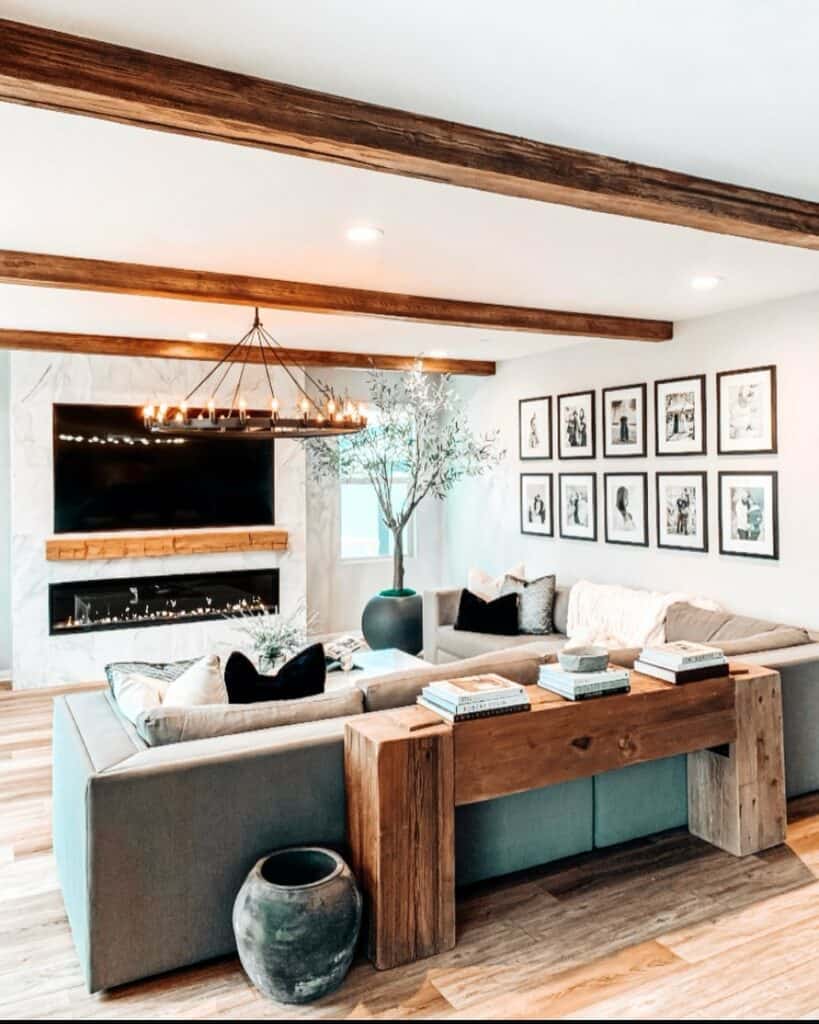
417, 431
276, 638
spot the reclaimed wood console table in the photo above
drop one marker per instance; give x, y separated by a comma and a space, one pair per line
406, 770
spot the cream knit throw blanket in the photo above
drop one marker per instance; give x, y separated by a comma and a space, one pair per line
618, 617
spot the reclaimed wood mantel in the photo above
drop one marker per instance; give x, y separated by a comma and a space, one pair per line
85, 547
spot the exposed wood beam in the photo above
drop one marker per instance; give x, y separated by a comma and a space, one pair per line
50, 69
209, 351
235, 289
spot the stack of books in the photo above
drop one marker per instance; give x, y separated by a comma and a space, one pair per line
583, 685
458, 700
682, 661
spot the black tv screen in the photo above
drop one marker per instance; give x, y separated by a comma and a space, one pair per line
112, 474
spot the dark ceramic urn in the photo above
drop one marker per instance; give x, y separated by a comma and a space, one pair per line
394, 619
296, 921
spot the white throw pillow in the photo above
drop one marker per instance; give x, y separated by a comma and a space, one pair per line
489, 587
201, 684
137, 693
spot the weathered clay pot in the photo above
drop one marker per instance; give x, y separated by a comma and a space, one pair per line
296, 921
394, 620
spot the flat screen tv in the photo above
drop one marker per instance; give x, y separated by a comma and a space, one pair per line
112, 474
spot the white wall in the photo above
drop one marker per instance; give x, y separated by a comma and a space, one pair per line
37, 381
481, 525
338, 589
5, 519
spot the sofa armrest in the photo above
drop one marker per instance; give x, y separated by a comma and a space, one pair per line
153, 849
440, 609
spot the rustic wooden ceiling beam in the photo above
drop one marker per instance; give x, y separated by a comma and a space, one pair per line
240, 290
57, 71
211, 351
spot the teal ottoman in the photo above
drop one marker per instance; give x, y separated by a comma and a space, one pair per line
639, 800
497, 837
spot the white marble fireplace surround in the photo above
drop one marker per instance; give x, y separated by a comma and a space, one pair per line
38, 380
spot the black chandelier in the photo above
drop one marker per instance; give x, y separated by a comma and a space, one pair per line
326, 415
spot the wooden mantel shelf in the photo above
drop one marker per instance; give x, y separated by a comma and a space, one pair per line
84, 547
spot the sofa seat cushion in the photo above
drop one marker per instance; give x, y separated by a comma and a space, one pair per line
465, 644
521, 664
735, 634
177, 725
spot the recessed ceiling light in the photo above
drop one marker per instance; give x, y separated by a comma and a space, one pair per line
437, 353
705, 282
364, 233
198, 335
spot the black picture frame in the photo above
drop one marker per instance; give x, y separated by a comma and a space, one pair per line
521, 403
774, 409
592, 425
724, 475
627, 543
643, 390
549, 478
661, 474
660, 419
565, 476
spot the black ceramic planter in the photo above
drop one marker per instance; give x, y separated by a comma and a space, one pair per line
296, 921
391, 620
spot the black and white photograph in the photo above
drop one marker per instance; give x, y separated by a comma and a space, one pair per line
536, 504
626, 508
748, 514
680, 416
746, 411
682, 511
578, 506
535, 427
575, 424
624, 421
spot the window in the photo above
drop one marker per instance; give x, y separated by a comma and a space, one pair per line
363, 533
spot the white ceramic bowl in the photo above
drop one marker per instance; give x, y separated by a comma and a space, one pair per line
583, 658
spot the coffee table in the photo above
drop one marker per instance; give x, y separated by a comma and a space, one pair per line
378, 663
406, 770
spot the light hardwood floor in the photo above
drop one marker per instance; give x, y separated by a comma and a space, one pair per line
666, 927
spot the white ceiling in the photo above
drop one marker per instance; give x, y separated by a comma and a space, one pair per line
721, 89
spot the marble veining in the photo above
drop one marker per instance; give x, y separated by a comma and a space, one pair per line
37, 381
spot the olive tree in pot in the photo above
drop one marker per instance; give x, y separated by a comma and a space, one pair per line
418, 433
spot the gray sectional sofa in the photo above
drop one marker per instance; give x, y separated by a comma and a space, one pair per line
153, 842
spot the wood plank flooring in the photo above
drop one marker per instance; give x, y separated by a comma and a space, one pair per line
660, 928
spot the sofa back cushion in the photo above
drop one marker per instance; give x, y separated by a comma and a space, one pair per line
166, 724
685, 622
397, 689
735, 634
560, 609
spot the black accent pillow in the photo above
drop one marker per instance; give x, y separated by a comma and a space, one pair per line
302, 676
478, 616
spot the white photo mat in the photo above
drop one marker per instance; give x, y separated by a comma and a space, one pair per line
682, 511
748, 514
536, 504
626, 508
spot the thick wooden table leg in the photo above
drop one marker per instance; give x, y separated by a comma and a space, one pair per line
401, 820
737, 800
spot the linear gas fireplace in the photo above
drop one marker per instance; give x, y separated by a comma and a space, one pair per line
90, 605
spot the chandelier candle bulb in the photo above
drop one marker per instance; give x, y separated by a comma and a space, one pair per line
212, 410
242, 411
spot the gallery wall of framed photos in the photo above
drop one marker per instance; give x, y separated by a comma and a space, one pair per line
746, 425
480, 518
